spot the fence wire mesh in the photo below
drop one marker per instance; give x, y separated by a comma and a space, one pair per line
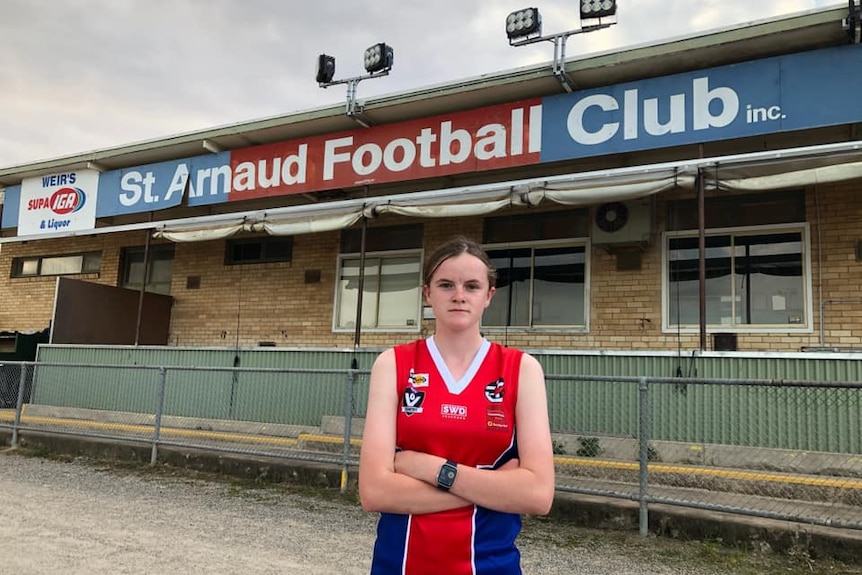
786, 450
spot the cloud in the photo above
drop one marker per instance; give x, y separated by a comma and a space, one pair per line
80, 75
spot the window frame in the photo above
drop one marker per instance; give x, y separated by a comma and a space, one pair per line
123, 270
537, 245
386, 254
807, 326
18, 264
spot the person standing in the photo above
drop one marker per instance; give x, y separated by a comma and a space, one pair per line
457, 442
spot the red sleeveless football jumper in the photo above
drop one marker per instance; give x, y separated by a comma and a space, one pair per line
471, 422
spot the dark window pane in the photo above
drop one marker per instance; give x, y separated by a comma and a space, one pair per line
739, 211
379, 239
536, 227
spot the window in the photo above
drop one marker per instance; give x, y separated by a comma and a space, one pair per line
538, 287
159, 271
753, 278
83, 263
259, 250
541, 270
391, 292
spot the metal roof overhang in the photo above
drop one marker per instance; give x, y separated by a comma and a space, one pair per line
798, 32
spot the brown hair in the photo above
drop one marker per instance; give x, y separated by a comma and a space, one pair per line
455, 247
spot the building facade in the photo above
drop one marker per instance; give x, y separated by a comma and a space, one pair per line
700, 193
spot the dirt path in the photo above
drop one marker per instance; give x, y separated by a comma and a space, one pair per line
76, 518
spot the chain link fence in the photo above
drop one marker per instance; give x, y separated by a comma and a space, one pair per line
789, 450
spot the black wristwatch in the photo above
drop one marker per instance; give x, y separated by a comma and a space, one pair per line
446, 475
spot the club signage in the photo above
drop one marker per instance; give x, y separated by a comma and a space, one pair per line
794, 92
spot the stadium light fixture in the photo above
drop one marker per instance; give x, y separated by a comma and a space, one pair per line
522, 24
525, 27
378, 60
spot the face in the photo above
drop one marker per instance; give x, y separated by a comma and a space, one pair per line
459, 291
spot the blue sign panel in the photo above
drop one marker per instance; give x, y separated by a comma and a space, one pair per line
11, 204
794, 92
163, 185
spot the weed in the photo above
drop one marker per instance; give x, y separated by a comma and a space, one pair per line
589, 447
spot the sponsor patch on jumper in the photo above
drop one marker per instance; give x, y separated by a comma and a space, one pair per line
412, 400
450, 411
496, 418
417, 379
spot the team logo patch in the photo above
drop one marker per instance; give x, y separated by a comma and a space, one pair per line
494, 391
417, 379
412, 400
496, 419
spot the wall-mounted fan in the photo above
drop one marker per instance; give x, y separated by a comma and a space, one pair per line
611, 217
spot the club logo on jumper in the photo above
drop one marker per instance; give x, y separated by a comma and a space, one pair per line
494, 391
449, 411
412, 400
417, 379
496, 419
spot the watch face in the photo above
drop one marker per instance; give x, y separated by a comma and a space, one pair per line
447, 474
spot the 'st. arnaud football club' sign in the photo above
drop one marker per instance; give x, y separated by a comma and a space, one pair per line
58, 203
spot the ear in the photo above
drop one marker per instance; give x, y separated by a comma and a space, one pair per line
425, 291
491, 293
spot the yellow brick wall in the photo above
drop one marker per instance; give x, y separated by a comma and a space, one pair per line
248, 304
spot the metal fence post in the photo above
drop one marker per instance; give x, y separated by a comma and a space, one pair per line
157, 423
348, 420
19, 404
643, 455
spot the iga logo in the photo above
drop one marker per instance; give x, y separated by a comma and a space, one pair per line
67, 200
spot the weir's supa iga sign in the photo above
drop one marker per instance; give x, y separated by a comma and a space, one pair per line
794, 92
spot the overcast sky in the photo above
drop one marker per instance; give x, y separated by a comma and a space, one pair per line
82, 75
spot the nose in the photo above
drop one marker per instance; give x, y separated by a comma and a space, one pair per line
458, 293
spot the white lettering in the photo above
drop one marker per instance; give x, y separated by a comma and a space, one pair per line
576, 120
676, 122
408, 155
703, 97
274, 177
491, 143
535, 130
631, 118
425, 139
447, 138
130, 184
330, 157
178, 182
375, 157
243, 177
294, 169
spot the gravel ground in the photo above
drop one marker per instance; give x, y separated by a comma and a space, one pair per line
80, 517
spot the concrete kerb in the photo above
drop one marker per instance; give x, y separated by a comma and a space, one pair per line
169, 421
577, 509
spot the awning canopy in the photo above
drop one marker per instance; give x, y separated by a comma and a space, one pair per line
780, 169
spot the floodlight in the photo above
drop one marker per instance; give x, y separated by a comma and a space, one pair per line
379, 58
325, 69
523, 23
597, 8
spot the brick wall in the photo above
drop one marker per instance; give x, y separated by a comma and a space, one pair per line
248, 304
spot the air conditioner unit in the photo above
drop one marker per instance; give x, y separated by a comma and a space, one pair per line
619, 223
